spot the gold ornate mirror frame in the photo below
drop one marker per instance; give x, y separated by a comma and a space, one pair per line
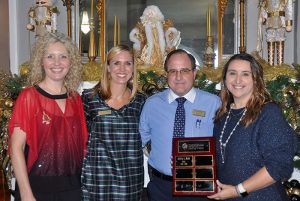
222, 4
101, 13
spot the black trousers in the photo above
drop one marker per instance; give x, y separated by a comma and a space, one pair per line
74, 195
57, 188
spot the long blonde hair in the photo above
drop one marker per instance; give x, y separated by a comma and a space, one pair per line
37, 73
103, 85
259, 97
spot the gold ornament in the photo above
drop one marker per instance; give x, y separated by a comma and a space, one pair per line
289, 191
290, 91
9, 103
285, 91
4, 77
6, 114
148, 68
149, 79
212, 74
295, 191
272, 72
24, 69
92, 71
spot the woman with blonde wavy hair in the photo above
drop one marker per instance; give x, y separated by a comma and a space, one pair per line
74, 75
255, 145
113, 166
47, 128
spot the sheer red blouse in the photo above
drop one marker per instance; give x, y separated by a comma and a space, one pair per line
55, 140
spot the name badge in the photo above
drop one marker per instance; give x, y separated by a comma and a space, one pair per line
104, 112
198, 113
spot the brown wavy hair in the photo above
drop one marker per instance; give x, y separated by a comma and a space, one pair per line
103, 85
37, 73
259, 97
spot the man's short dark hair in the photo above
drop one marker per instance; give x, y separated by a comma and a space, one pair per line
180, 51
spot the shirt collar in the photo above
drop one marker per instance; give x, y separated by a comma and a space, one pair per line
190, 96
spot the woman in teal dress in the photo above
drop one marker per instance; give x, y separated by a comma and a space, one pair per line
113, 166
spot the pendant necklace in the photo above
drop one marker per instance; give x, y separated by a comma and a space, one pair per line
223, 145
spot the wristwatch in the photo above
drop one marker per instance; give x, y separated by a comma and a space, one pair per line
241, 190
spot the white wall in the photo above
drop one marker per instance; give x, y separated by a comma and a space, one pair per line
251, 23
21, 39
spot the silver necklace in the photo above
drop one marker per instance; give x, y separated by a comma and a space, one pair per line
223, 145
237, 114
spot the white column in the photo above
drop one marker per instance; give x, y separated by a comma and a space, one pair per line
13, 36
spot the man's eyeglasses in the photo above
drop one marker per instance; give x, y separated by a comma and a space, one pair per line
183, 71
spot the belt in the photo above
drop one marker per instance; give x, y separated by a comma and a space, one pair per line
160, 175
276, 13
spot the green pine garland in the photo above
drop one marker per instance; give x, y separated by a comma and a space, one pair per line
284, 90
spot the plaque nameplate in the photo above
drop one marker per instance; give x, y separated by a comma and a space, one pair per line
194, 166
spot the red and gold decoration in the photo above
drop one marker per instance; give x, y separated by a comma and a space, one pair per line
10, 88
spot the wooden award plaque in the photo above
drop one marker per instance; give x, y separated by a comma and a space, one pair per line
194, 166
